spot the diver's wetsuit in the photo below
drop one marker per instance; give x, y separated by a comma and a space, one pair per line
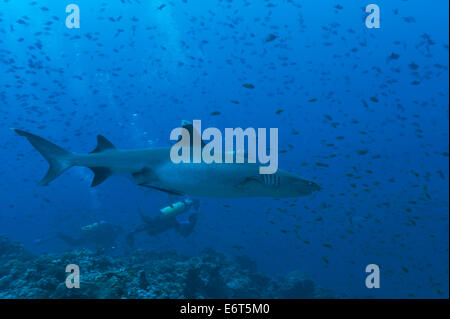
159, 224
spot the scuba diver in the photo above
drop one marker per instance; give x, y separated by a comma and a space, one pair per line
167, 220
100, 235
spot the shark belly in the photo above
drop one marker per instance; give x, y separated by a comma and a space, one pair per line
210, 180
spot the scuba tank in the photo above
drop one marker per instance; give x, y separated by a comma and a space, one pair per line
178, 208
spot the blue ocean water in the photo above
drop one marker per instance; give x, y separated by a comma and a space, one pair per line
362, 112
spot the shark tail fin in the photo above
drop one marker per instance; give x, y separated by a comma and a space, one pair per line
58, 158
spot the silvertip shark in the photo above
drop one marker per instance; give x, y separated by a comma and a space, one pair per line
154, 169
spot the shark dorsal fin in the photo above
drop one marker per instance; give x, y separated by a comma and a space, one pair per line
190, 127
103, 144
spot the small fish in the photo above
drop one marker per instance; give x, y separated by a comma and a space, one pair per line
270, 37
248, 86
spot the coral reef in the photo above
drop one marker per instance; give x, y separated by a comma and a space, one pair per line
142, 274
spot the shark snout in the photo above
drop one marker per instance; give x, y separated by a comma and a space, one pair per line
315, 187
307, 187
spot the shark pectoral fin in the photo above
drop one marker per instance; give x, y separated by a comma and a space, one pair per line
101, 174
102, 145
246, 181
144, 176
165, 190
